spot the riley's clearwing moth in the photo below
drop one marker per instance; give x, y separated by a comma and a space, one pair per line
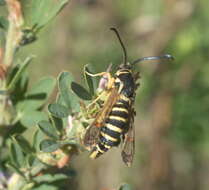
114, 122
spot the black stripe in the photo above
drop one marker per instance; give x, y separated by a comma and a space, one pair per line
117, 123
122, 114
117, 105
124, 70
102, 147
111, 133
124, 103
108, 142
98, 153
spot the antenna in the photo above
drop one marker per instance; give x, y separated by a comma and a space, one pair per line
166, 56
122, 44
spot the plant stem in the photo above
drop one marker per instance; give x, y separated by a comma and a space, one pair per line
14, 33
10, 44
13, 37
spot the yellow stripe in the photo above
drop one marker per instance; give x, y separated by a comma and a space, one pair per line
123, 72
109, 137
93, 155
99, 149
106, 146
120, 109
124, 98
118, 118
114, 128
120, 103
117, 80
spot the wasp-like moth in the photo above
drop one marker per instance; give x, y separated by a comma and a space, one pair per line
115, 120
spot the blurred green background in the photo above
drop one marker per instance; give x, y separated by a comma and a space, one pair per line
172, 104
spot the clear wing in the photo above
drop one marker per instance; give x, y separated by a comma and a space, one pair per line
92, 133
91, 136
128, 148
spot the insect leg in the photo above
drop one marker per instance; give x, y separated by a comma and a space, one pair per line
98, 97
95, 75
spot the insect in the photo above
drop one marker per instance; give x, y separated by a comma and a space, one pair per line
114, 122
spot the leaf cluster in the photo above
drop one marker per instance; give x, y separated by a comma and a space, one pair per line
24, 161
41, 162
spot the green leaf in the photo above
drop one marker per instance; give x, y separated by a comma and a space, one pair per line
125, 187
89, 80
37, 96
45, 85
14, 168
46, 187
49, 178
40, 12
16, 155
60, 100
38, 137
47, 128
48, 145
21, 86
31, 118
58, 110
30, 160
57, 123
70, 142
3, 22
17, 129
64, 82
80, 91
17, 76
37, 167
23, 143
2, 2
3, 92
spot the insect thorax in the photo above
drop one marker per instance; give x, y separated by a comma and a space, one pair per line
124, 81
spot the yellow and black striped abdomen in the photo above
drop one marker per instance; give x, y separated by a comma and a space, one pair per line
114, 126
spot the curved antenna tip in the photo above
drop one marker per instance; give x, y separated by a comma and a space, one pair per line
168, 56
165, 56
113, 28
